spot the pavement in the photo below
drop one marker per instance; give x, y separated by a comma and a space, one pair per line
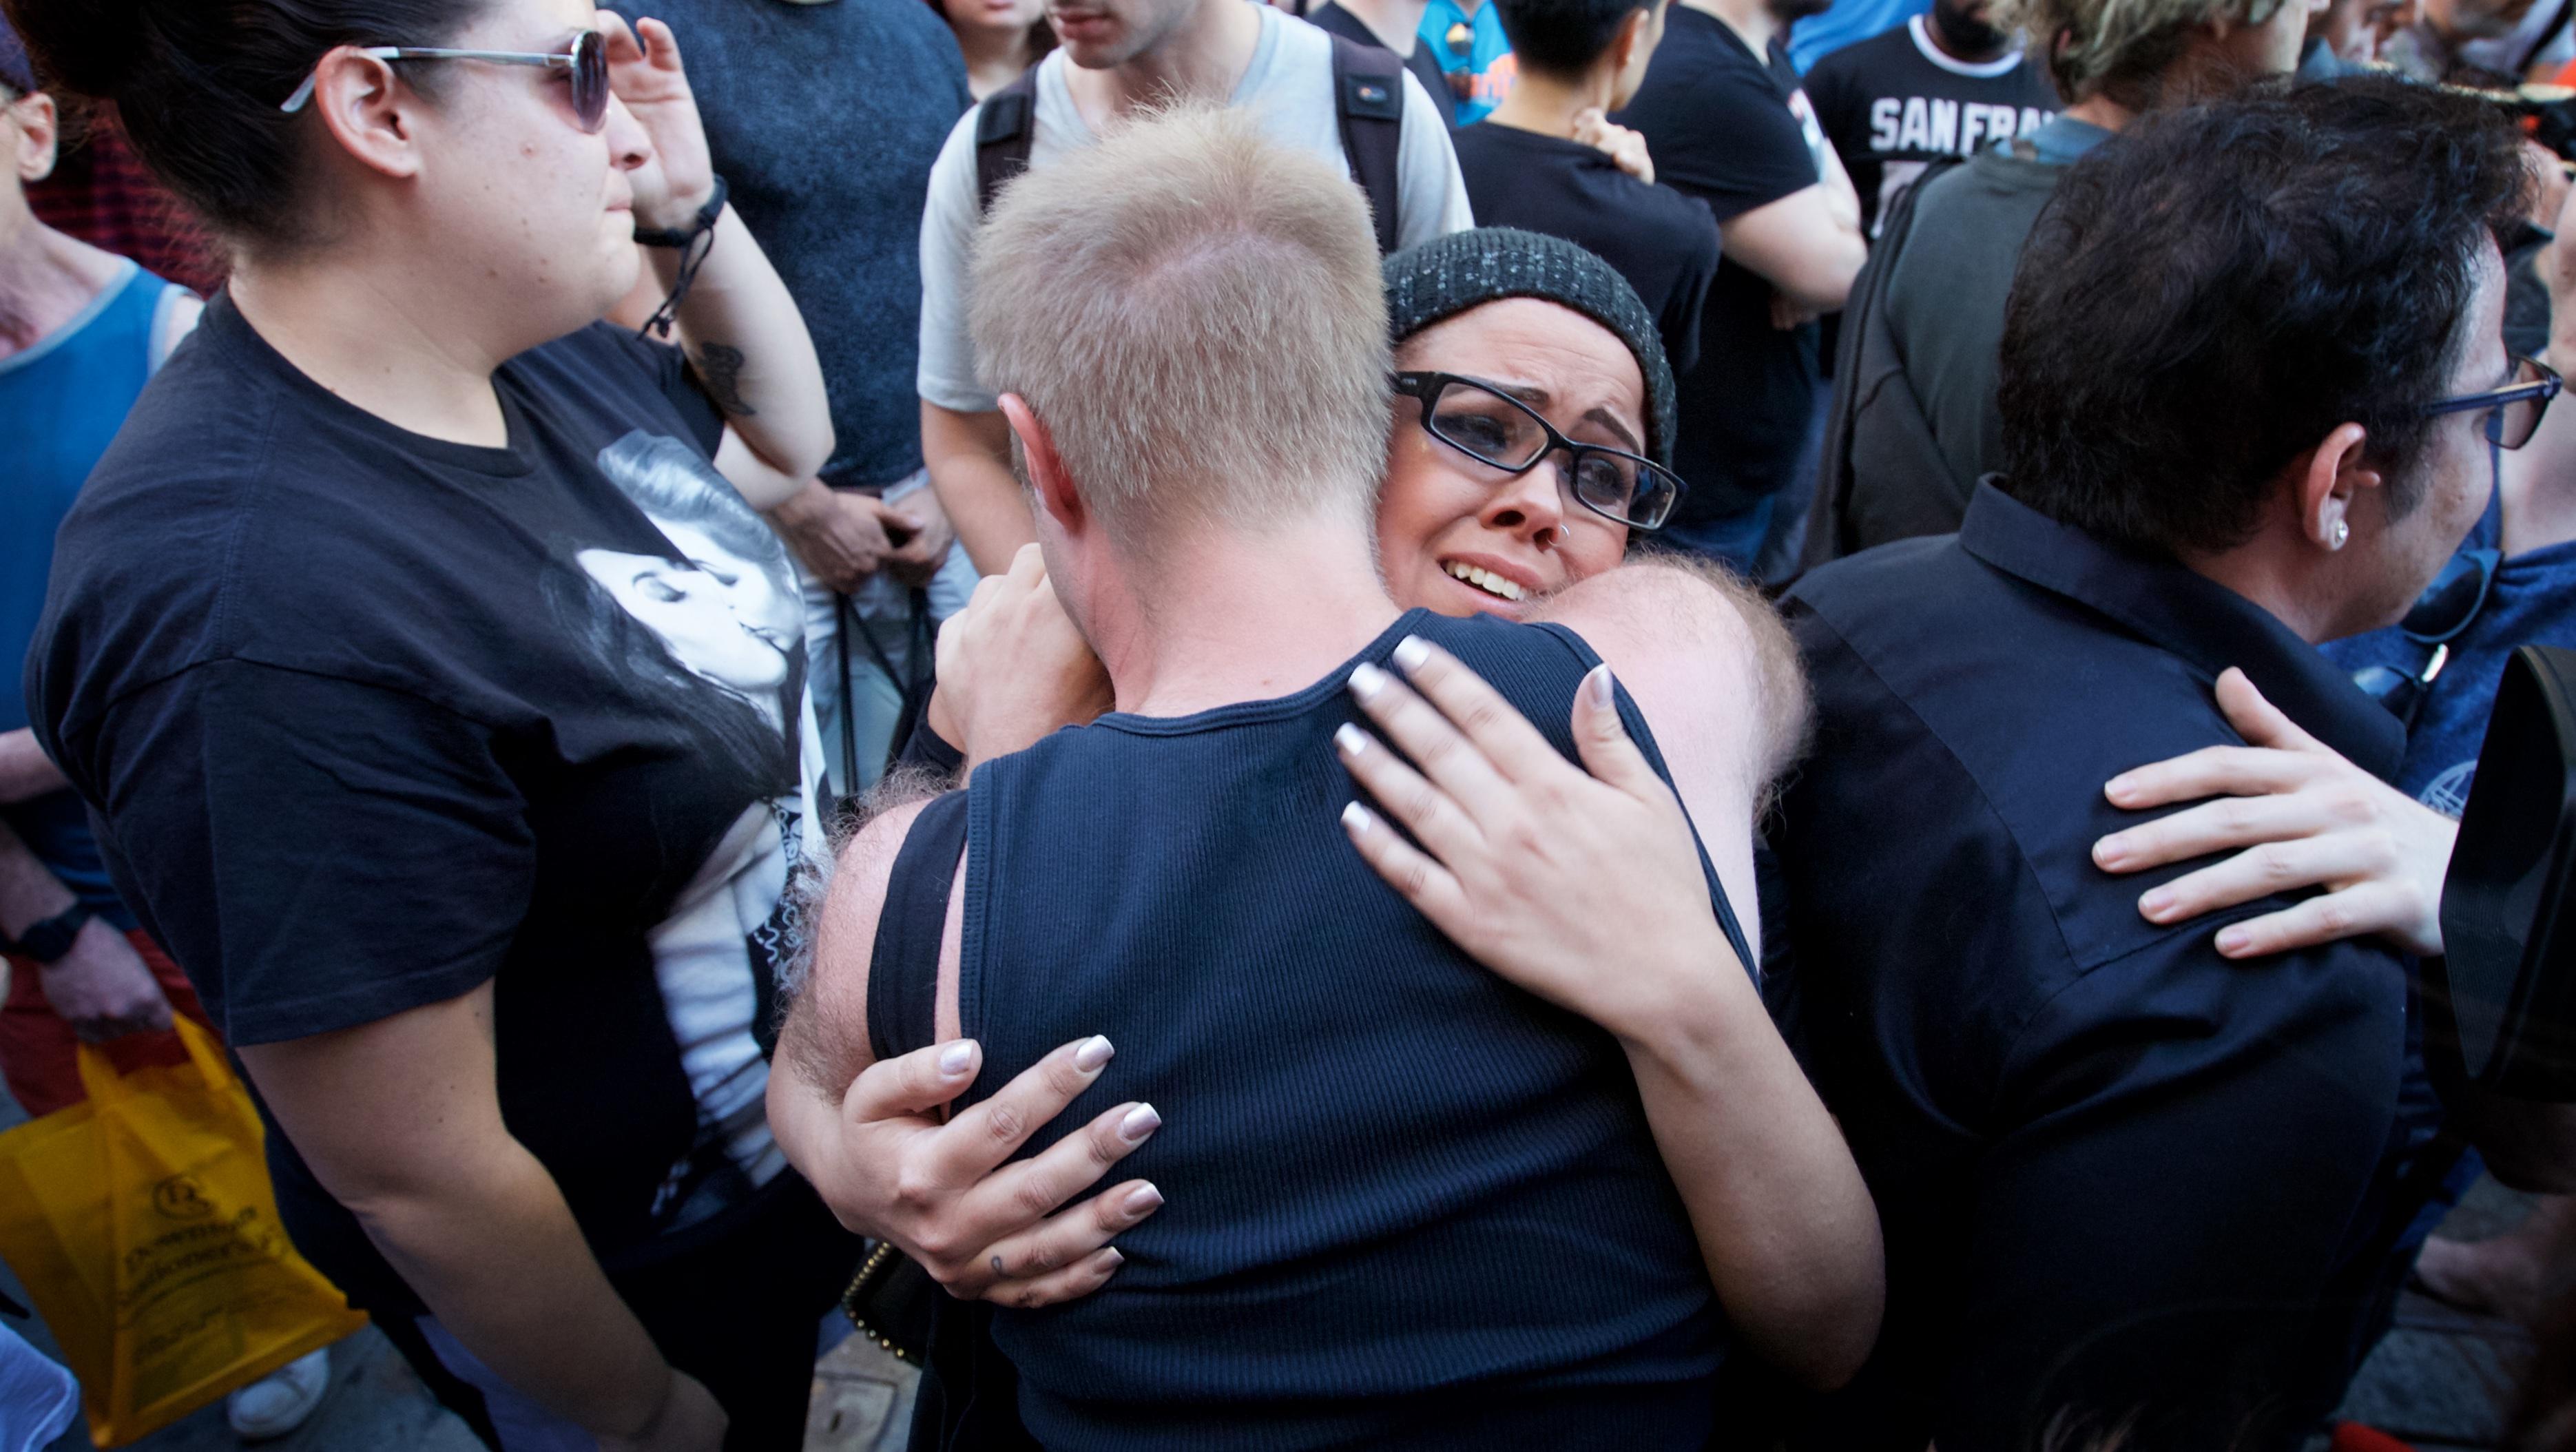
2440, 1381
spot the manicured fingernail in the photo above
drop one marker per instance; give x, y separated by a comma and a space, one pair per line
1367, 680
1109, 1259
2234, 940
1095, 1051
2157, 904
1410, 653
1144, 1199
954, 1058
2108, 852
1140, 1122
1351, 739
1600, 687
2119, 789
1355, 818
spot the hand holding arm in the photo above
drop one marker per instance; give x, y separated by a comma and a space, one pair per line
839, 534
916, 558
880, 1148
1547, 875
738, 324
2297, 816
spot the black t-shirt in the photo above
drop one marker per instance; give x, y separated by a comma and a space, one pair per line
368, 719
1733, 129
1664, 243
1335, 20
1893, 103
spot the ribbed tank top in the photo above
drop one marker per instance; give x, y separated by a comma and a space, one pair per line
1409, 1204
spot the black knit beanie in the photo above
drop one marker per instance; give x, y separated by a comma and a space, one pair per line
1446, 276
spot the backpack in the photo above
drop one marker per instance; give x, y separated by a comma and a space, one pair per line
1368, 98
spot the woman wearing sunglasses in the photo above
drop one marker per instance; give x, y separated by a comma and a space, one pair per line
490, 914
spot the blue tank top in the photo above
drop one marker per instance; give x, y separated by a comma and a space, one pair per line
1409, 1204
61, 401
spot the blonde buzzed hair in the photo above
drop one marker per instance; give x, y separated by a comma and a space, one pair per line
1195, 314
2117, 48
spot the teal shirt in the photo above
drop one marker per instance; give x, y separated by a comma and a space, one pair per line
1472, 52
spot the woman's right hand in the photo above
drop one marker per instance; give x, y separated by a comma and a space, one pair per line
690, 1421
1013, 667
889, 1165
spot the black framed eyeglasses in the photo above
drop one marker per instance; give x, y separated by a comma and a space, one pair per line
1486, 424
586, 59
2517, 406
2438, 616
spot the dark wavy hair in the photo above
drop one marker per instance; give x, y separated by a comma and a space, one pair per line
197, 84
2210, 294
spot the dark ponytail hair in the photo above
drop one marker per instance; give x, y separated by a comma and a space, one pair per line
197, 84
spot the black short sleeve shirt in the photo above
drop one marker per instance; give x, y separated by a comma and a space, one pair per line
1895, 103
1733, 130
368, 719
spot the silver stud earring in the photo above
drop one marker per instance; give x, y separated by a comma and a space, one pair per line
2336, 536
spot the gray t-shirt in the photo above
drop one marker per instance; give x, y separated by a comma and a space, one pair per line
1289, 85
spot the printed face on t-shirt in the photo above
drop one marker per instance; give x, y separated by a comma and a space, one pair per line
691, 608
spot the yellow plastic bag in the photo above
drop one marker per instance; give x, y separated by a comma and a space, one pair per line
144, 1229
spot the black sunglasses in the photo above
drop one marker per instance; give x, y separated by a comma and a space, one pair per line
1486, 424
2437, 617
2517, 406
586, 59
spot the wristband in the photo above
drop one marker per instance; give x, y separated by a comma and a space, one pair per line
49, 941
705, 221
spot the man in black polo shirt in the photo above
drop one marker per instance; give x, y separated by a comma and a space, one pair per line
1538, 163
2123, 1179
1946, 83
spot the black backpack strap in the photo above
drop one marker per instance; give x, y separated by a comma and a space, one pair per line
1826, 519
1368, 95
1006, 126
903, 969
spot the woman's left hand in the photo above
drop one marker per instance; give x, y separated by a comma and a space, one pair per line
2304, 817
645, 75
1584, 888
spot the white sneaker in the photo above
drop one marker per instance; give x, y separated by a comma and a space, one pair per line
279, 1402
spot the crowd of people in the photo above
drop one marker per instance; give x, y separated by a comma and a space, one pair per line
1404, 725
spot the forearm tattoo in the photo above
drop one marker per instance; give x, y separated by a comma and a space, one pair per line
720, 369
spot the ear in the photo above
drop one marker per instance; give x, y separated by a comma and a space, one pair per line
1047, 476
1632, 34
2329, 479
371, 114
39, 136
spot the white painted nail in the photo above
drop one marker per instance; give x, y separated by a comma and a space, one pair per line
1356, 818
1095, 1051
1350, 738
1367, 680
1410, 652
1140, 1122
954, 1058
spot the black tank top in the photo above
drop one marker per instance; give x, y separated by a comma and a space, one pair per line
1409, 1204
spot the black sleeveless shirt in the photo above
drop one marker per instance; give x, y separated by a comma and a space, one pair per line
1409, 1204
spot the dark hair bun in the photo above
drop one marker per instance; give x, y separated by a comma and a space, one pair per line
87, 47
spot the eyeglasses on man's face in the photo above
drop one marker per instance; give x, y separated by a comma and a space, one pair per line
584, 61
1487, 424
2513, 411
